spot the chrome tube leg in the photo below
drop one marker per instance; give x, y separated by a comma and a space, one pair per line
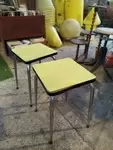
90, 104
35, 88
51, 119
53, 57
15, 68
29, 83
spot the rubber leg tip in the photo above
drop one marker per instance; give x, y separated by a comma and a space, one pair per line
31, 105
87, 126
17, 88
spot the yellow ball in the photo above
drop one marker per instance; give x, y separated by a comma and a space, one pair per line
70, 29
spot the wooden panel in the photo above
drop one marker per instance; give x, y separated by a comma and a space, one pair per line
18, 27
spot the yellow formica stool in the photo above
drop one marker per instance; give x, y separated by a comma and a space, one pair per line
29, 54
60, 76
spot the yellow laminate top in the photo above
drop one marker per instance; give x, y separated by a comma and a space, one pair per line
62, 74
32, 52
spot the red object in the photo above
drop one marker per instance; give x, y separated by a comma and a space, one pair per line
109, 59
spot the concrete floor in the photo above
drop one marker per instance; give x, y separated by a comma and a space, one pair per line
23, 129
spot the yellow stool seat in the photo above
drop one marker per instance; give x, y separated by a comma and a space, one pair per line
33, 52
58, 76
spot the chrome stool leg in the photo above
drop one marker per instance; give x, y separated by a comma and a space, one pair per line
35, 88
15, 68
51, 119
29, 83
90, 104
53, 57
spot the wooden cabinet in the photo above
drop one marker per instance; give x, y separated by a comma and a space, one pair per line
22, 27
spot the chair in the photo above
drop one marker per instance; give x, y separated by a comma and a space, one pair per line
82, 41
29, 54
86, 41
61, 76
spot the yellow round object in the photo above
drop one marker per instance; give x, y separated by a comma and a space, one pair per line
53, 37
70, 29
74, 9
59, 8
